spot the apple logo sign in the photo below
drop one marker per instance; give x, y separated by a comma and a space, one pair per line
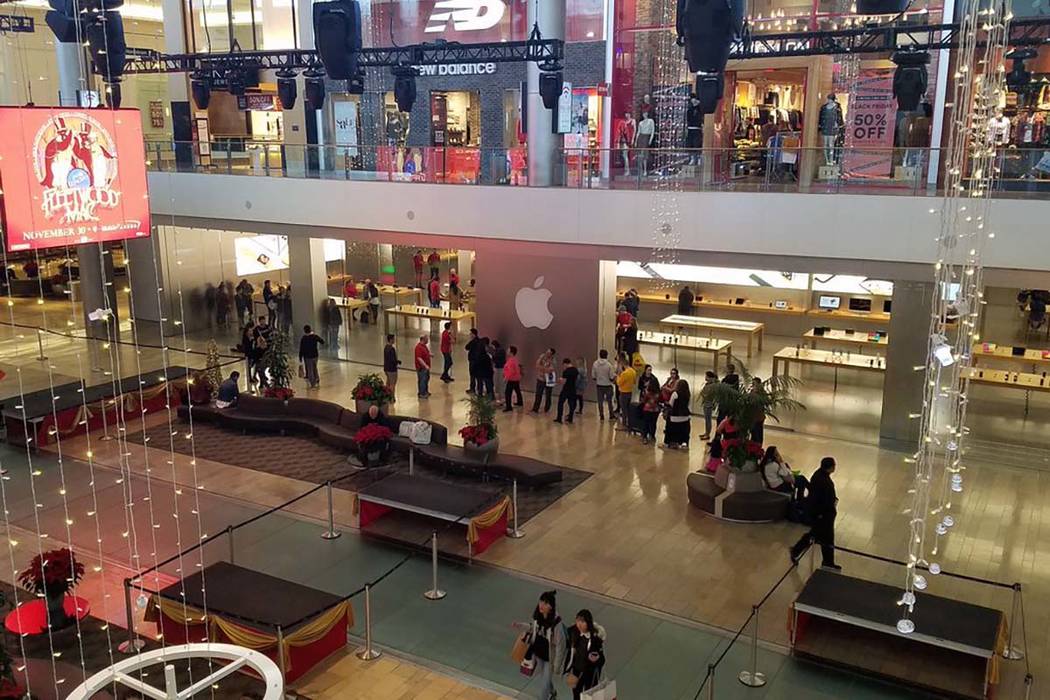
531, 305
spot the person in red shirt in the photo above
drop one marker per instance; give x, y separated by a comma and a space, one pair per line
623, 322
434, 260
512, 376
422, 354
448, 339
417, 265
434, 292
350, 288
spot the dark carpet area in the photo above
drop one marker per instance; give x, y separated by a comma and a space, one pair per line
311, 461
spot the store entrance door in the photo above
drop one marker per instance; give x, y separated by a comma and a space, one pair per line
455, 134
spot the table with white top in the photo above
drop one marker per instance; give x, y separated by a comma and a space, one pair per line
751, 329
715, 346
350, 304
429, 313
1031, 357
834, 335
783, 359
1026, 381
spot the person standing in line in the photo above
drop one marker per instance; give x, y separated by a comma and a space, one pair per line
604, 375
271, 304
472, 346
625, 383
823, 508
260, 344
372, 297
685, 301
455, 294
512, 376
448, 339
547, 649
483, 369
417, 266
391, 364
649, 398
581, 383
730, 378
434, 292
544, 385
422, 355
246, 347
284, 308
676, 428
623, 322
567, 395
308, 354
632, 301
586, 657
333, 319
499, 361
222, 305
707, 398
758, 428
434, 260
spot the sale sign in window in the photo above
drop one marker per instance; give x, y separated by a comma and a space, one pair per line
71, 176
870, 126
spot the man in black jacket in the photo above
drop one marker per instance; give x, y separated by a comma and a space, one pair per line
823, 507
473, 348
685, 301
482, 369
308, 354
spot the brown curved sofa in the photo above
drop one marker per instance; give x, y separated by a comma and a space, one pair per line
335, 426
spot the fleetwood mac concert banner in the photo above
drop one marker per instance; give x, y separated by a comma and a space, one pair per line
71, 176
870, 125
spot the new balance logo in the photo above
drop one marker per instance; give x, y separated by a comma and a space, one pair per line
465, 15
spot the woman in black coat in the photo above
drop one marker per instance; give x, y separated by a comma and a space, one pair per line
586, 655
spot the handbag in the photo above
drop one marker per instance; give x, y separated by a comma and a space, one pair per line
520, 648
605, 690
420, 433
302, 371
527, 667
571, 680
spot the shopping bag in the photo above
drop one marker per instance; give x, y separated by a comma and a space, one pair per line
302, 371
420, 433
520, 648
527, 667
605, 690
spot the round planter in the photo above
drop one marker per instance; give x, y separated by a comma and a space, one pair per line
55, 611
483, 453
374, 455
362, 405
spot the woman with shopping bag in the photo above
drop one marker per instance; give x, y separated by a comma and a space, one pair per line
586, 657
545, 645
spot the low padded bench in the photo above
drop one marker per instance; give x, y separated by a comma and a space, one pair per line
526, 471
750, 506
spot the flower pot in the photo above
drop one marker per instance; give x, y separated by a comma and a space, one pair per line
55, 609
482, 453
373, 455
362, 405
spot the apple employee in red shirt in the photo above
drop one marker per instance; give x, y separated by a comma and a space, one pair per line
434, 292
417, 265
423, 367
448, 339
434, 260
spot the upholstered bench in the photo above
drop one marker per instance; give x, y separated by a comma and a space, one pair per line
736, 497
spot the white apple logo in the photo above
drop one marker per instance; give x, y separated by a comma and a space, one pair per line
531, 305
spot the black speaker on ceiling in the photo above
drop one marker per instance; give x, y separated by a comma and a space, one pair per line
201, 89
105, 37
550, 88
314, 91
113, 95
355, 84
236, 83
337, 35
62, 19
707, 30
882, 7
910, 79
709, 90
287, 90
404, 87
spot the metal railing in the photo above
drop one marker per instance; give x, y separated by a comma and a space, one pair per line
772, 168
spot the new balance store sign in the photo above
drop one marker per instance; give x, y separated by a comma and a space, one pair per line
457, 69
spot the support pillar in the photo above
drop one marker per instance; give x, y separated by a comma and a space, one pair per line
68, 60
309, 280
178, 92
144, 279
96, 283
465, 266
543, 146
902, 390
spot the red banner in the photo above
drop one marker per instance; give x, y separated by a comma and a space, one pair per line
72, 176
869, 126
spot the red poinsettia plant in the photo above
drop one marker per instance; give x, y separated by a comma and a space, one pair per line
372, 434
278, 392
737, 451
477, 434
371, 387
52, 573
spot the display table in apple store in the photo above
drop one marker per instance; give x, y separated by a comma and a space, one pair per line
807, 356
426, 312
351, 305
1025, 381
845, 337
715, 346
1029, 357
751, 329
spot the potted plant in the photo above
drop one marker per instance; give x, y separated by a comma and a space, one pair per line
9, 685
213, 367
749, 406
480, 435
371, 390
278, 367
52, 575
373, 444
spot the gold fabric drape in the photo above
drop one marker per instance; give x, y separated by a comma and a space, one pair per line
488, 519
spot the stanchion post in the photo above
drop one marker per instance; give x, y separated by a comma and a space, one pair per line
434, 593
710, 682
332, 533
752, 678
1009, 651
229, 539
105, 423
131, 645
514, 532
411, 460
367, 653
40, 344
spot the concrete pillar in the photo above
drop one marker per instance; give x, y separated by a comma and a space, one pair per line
68, 59
149, 311
96, 284
902, 390
543, 146
308, 278
465, 266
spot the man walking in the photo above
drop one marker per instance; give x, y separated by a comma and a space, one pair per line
422, 355
604, 374
448, 339
567, 395
823, 507
391, 364
625, 382
308, 352
472, 347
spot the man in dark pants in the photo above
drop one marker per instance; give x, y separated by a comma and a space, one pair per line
567, 395
473, 347
823, 507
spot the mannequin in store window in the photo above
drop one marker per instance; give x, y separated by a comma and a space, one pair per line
830, 126
643, 140
625, 139
999, 129
694, 129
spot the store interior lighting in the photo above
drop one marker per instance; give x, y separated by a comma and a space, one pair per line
749, 277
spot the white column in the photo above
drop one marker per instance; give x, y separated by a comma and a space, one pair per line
542, 144
175, 42
465, 266
68, 58
939, 100
607, 115
308, 277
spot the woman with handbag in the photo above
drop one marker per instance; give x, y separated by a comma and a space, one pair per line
586, 657
545, 645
